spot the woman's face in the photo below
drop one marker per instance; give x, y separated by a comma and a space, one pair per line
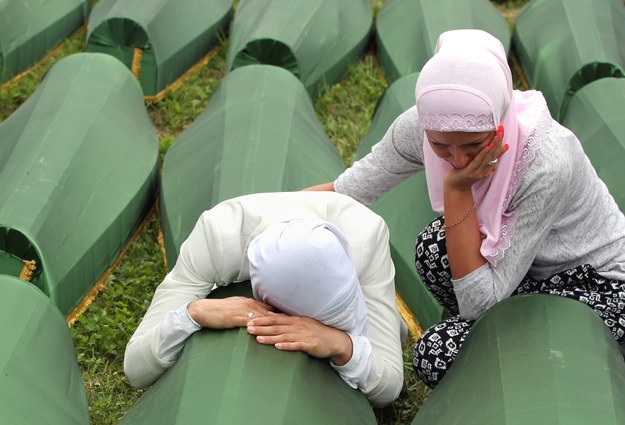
458, 147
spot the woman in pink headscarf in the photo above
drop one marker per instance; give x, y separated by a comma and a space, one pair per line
523, 209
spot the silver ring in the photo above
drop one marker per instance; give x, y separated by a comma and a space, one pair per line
492, 162
250, 315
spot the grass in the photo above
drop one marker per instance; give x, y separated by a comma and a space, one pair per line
100, 334
345, 109
14, 92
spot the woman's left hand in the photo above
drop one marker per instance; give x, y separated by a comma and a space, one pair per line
481, 166
297, 333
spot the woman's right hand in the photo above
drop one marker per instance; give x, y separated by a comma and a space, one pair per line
298, 333
225, 313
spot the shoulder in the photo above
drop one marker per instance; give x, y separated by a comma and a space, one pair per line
557, 163
265, 208
407, 126
403, 141
558, 154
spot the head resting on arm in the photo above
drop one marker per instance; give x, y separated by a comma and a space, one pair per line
305, 268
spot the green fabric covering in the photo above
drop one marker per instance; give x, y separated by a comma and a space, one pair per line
40, 382
259, 133
9, 264
314, 39
31, 28
532, 359
563, 45
172, 34
78, 172
407, 30
597, 117
406, 209
226, 377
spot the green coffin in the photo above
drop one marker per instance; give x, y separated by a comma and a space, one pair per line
226, 377
163, 37
407, 30
258, 133
40, 382
78, 169
596, 115
562, 45
314, 39
532, 359
406, 208
31, 28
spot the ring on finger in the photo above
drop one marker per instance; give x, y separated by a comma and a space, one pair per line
250, 315
492, 162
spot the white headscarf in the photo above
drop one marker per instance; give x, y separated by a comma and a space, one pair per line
305, 268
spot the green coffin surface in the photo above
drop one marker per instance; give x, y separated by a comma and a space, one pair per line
227, 378
169, 36
532, 359
40, 382
596, 115
258, 133
407, 30
406, 208
314, 39
562, 45
78, 170
31, 28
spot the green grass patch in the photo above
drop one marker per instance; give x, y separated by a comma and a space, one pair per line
345, 110
101, 333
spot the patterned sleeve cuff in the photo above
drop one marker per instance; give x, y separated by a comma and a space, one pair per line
189, 323
176, 327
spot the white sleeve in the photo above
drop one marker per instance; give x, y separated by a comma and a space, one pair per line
356, 371
198, 268
380, 375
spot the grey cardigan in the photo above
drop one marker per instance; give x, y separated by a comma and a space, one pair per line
565, 215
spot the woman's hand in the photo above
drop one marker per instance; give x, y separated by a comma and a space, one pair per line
296, 333
480, 167
227, 313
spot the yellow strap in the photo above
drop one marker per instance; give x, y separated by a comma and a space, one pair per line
43, 61
176, 84
413, 326
136, 63
27, 271
101, 282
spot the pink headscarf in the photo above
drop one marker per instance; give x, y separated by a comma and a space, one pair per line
467, 86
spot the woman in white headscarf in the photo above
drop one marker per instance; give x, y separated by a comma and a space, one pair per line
289, 261
322, 279
524, 211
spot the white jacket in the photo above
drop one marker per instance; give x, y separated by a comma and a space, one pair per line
214, 255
